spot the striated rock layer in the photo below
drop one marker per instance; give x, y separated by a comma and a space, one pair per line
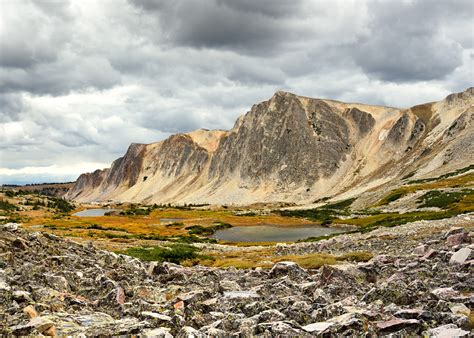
292, 149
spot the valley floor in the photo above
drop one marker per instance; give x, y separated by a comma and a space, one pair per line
404, 265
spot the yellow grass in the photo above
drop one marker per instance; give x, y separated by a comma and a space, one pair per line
461, 181
265, 258
76, 228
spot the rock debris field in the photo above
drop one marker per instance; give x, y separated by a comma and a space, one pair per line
420, 282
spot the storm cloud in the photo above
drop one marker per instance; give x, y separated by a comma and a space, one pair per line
80, 80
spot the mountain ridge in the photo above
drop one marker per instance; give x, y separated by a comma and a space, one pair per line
291, 148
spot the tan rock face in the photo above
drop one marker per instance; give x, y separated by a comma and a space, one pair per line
292, 149
284, 141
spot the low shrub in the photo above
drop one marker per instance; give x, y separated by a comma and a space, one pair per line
207, 231
447, 175
7, 206
61, 205
175, 253
442, 199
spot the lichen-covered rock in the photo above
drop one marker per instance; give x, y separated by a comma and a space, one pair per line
89, 292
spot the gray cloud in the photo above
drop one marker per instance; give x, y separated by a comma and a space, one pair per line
32, 32
79, 81
11, 107
249, 27
406, 41
68, 74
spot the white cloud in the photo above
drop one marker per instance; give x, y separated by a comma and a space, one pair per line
74, 169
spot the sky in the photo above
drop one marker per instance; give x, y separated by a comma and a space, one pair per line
81, 80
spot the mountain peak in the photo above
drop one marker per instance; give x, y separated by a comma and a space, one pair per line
290, 149
282, 93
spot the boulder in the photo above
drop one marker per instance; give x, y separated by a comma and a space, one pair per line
430, 254
30, 311
269, 316
20, 244
190, 332
290, 269
277, 329
40, 324
321, 297
411, 313
4, 286
396, 324
12, 227
446, 294
460, 256
348, 320
460, 309
157, 316
228, 285
456, 239
445, 331
420, 250
317, 328
160, 332
453, 231
58, 283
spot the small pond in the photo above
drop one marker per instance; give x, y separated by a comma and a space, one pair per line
273, 233
92, 212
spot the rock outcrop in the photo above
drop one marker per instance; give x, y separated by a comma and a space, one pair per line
292, 149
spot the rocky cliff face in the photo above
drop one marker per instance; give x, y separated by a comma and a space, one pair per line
292, 148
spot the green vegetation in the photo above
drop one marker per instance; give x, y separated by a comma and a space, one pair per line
137, 210
443, 181
12, 219
340, 205
453, 203
248, 214
146, 237
194, 239
443, 199
207, 231
175, 253
324, 215
394, 196
60, 204
407, 176
7, 206
100, 227
450, 174
175, 224
394, 219
134, 210
10, 193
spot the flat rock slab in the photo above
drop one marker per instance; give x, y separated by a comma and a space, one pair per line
447, 331
241, 294
396, 323
317, 328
